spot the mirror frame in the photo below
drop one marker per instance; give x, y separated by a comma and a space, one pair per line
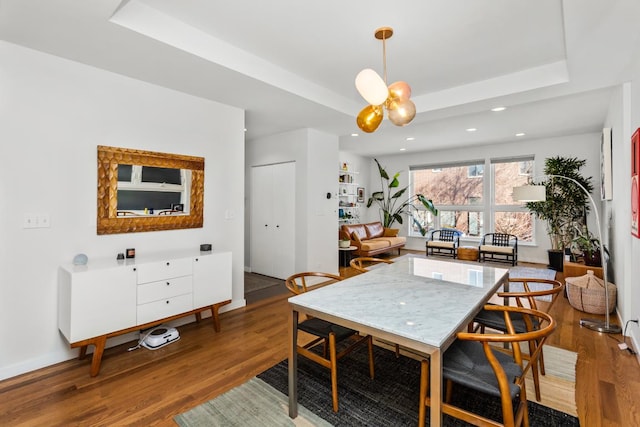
109, 223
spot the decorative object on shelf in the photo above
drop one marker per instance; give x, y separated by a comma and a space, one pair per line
565, 205
538, 194
131, 253
120, 256
80, 259
373, 88
392, 206
205, 247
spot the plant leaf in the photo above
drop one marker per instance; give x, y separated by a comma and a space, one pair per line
395, 183
383, 173
399, 193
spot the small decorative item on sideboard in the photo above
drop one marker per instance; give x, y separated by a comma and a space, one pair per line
80, 259
131, 253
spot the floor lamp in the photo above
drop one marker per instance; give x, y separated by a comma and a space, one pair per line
537, 193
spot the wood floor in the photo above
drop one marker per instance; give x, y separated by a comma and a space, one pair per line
148, 388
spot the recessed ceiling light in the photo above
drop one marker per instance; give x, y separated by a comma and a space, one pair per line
496, 109
410, 138
471, 129
520, 134
245, 129
354, 134
403, 149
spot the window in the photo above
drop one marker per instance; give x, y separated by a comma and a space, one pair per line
457, 191
509, 216
472, 204
476, 171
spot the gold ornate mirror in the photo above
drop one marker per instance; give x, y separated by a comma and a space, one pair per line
148, 191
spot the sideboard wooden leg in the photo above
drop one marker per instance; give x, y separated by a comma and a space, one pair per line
216, 317
198, 316
83, 352
97, 354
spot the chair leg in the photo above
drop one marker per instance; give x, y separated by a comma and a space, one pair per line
448, 391
541, 361
424, 389
334, 371
536, 369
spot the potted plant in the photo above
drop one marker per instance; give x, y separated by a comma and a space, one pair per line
344, 242
589, 247
566, 205
392, 205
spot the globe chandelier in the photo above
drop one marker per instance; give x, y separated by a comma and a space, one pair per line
395, 98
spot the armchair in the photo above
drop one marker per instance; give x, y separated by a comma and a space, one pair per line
444, 241
500, 247
471, 361
327, 333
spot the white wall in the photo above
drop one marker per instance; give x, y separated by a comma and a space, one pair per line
624, 118
316, 157
53, 114
322, 233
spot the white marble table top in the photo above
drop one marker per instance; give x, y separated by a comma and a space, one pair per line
418, 298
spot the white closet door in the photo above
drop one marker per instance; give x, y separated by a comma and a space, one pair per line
284, 188
273, 220
261, 207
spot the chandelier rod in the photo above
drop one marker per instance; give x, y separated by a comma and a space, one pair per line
383, 34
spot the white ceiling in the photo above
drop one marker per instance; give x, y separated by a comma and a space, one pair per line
291, 64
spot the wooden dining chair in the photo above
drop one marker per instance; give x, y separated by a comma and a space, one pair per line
327, 333
473, 362
362, 264
538, 294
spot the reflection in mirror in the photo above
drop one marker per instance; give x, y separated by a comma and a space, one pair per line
148, 191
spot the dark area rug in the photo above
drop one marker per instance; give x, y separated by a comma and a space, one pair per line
391, 399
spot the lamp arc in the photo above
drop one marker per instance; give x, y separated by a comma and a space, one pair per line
527, 193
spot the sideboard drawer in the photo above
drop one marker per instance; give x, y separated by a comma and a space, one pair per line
164, 289
155, 271
164, 308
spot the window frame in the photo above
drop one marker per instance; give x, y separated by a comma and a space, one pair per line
488, 208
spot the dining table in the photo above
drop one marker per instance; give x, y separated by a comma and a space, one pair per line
417, 302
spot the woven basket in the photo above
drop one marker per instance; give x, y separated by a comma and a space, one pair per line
586, 293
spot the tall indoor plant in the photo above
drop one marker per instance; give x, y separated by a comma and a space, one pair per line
566, 206
392, 205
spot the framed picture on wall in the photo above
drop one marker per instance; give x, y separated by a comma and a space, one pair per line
606, 184
635, 187
360, 194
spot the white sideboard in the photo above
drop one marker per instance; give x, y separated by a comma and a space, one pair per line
107, 297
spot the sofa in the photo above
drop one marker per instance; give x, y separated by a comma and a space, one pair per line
372, 238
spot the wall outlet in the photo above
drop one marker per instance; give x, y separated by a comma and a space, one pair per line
29, 221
